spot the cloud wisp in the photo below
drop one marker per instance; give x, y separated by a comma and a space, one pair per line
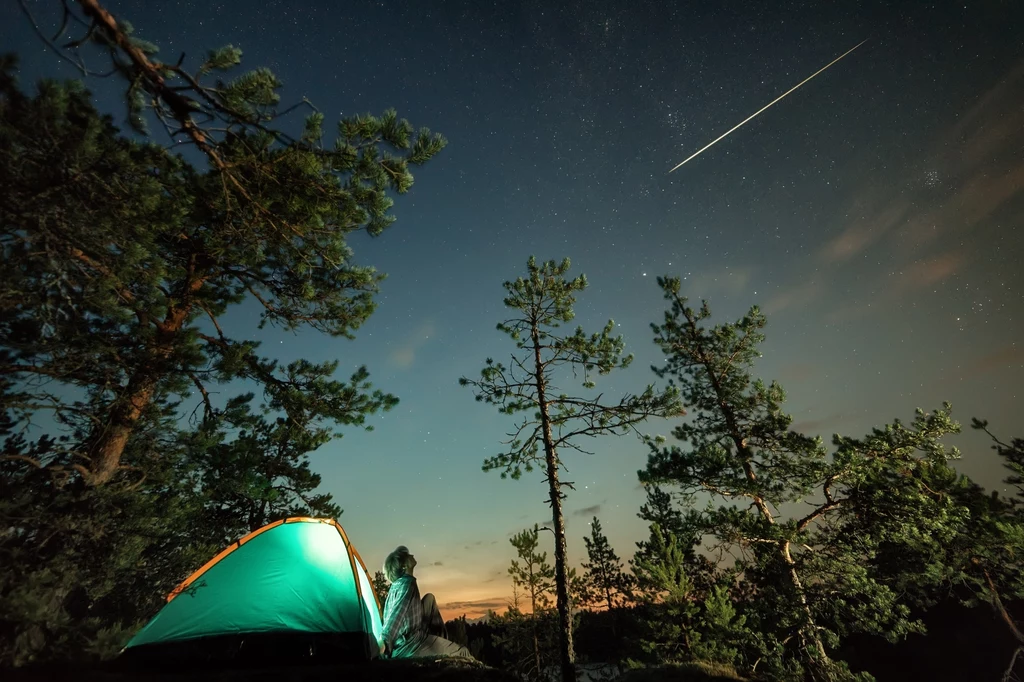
592, 510
1000, 359
404, 356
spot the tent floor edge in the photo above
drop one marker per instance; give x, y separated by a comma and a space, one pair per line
248, 650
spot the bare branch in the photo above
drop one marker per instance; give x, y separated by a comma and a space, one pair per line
817, 513
23, 458
48, 42
208, 411
997, 604
216, 325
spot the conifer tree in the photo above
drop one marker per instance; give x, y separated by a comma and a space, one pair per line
610, 585
255, 468
1012, 454
724, 633
579, 592
659, 510
456, 630
542, 302
130, 258
120, 260
684, 525
668, 598
214, 117
977, 554
535, 577
381, 585
512, 636
963, 543
82, 568
812, 586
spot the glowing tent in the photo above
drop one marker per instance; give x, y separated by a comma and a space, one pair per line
295, 587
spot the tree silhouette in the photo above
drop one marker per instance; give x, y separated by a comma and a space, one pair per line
812, 584
543, 301
381, 586
611, 586
131, 257
536, 578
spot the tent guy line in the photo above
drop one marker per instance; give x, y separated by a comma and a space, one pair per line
762, 109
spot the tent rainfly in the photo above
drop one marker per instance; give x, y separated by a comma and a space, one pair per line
296, 587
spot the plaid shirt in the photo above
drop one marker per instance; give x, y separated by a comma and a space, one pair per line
404, 627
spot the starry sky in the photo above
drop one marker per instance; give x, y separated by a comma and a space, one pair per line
875, 215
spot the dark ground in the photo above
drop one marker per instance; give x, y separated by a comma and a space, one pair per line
444, 670
962, 645
450, 670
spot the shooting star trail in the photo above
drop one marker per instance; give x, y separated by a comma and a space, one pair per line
759, 111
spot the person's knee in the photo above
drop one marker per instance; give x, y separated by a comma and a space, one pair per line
428, 598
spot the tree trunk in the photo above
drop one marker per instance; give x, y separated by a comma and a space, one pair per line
566, 654
533, 623
997, 604
108, 440
809, 629
612, 613
808, 633
536, 648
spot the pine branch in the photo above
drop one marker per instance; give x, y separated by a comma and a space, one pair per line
180, 106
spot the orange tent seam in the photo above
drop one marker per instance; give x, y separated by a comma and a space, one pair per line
246, 538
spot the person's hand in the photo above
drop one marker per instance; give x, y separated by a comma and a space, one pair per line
383, 648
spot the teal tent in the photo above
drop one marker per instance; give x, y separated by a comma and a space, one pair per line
296, 585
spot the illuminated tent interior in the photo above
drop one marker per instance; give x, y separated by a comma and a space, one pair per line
294, 589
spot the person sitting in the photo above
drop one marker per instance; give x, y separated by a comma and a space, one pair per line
413, 627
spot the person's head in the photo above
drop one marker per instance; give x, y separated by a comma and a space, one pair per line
399, 563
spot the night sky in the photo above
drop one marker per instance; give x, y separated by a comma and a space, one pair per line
875, 214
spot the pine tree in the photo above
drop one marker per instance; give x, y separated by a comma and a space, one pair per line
812, 586
381, 585
262, 474
219, 117
659, 510
120, 260
456, 630
679, 623
579, 591
975, 555
1012, 454
611, 586
668, 600
723, 631
82, 568
536, 578
512, 636
130, 258
544, 302
534, 575
685, 526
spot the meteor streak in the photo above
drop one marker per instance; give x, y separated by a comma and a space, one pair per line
759, 111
